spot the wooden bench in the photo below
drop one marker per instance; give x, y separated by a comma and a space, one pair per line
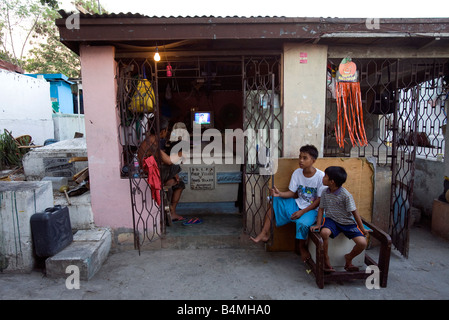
360, 184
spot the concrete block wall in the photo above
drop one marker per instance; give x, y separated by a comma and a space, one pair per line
19, 200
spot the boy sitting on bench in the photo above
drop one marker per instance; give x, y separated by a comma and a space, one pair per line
340, 215
299, 203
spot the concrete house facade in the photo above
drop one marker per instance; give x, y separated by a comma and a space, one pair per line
219, 64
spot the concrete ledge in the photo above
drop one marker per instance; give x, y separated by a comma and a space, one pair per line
88, 251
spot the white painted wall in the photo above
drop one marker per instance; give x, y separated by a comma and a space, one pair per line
25, 106
304, 96
67, 124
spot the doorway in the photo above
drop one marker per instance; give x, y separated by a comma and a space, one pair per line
240, 94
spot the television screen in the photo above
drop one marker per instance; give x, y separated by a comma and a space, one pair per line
202, 118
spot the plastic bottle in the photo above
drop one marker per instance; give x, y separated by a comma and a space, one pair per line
136, 166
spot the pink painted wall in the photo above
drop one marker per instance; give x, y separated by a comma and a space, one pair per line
110, 195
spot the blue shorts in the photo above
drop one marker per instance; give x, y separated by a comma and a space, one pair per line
283, 209
350, 230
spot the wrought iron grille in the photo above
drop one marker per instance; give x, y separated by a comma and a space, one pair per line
404, 116
263, 114
138, 111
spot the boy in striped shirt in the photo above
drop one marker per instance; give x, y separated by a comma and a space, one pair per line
340, 215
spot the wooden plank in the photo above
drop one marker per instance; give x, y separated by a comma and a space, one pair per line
81, 173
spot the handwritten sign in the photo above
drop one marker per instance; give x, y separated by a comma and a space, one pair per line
202, 178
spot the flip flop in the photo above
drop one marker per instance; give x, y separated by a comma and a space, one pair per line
328, 270
192, 222
179, 220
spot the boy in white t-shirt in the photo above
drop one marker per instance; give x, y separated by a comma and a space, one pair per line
306, 183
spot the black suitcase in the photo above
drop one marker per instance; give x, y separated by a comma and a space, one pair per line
51, 230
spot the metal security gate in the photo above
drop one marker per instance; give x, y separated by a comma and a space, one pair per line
417, 131
138, 110
262, 121
404, 117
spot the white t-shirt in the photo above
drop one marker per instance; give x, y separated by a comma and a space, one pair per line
307, 189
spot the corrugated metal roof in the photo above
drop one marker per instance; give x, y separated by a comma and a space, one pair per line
113, 15
130, 15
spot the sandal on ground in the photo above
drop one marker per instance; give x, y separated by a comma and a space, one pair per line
179, 220
192, 222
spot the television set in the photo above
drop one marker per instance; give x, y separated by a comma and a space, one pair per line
205, 119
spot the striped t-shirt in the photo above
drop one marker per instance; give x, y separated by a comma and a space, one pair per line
338, 205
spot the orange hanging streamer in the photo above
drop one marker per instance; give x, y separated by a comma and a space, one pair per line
349, 114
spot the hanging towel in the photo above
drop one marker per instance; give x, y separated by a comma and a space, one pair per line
154, 178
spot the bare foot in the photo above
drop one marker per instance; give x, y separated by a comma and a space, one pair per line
348, 259
304, 252
264, 237
176, 217
349, 266
328, 268
305, 256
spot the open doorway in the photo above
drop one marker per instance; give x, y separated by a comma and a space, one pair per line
215, 99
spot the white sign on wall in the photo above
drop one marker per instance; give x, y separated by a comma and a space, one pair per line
202, 178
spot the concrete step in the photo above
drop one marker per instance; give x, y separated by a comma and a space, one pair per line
88, 252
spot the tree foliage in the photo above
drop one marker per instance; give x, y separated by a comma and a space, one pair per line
51, 3
18, 19
35, 21
49, 55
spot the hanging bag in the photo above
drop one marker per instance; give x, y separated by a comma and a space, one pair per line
143, 97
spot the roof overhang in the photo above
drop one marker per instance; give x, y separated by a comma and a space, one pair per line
139, 30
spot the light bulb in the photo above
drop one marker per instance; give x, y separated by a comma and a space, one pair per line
157, 57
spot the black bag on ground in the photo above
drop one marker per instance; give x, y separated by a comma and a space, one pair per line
52, 230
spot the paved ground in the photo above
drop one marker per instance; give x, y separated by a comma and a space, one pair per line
238, 274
